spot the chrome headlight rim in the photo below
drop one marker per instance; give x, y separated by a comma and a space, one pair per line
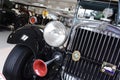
61, 28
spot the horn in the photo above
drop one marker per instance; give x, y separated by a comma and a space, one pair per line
40, 67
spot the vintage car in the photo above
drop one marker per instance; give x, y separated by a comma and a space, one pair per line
9, 18
91, 51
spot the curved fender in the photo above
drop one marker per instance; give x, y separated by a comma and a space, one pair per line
29, 36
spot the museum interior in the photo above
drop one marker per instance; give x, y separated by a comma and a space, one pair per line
59, 39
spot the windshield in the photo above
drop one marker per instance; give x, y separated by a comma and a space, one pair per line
102, 0
103, 10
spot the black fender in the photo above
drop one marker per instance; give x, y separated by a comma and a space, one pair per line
30, 36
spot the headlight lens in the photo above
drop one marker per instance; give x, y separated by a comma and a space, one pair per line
55, 33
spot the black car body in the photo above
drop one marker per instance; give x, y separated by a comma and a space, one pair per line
91, 51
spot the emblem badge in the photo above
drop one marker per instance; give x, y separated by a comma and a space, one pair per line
76, 56
108, 68
24, 37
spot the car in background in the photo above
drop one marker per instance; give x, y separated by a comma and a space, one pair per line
9, 18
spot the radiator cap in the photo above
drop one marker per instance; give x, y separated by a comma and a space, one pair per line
76, 56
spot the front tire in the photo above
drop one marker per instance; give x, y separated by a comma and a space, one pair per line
14, 67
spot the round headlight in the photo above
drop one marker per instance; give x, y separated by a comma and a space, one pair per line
55, 33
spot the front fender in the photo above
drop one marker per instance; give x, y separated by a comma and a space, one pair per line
29, 36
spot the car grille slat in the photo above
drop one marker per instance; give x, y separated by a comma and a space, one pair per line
106, 54
81, 40
95, 48
85, 40
89, 51
116, 50
106, 48
102, 40
75, 37
118, 62
87, 43
83, 51
92, 52
113, 42
88, 37
83, 62
68, 68
102, 56
101, 46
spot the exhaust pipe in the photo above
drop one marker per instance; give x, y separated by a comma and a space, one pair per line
40, 67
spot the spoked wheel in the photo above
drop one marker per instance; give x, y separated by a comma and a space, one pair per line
18, 65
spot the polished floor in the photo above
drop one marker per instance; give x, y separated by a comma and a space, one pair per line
5, 48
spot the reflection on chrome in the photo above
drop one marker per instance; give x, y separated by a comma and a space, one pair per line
68, 76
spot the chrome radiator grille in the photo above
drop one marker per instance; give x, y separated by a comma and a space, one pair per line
95, 48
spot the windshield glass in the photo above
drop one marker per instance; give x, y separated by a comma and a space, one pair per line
103, 0
103, 10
